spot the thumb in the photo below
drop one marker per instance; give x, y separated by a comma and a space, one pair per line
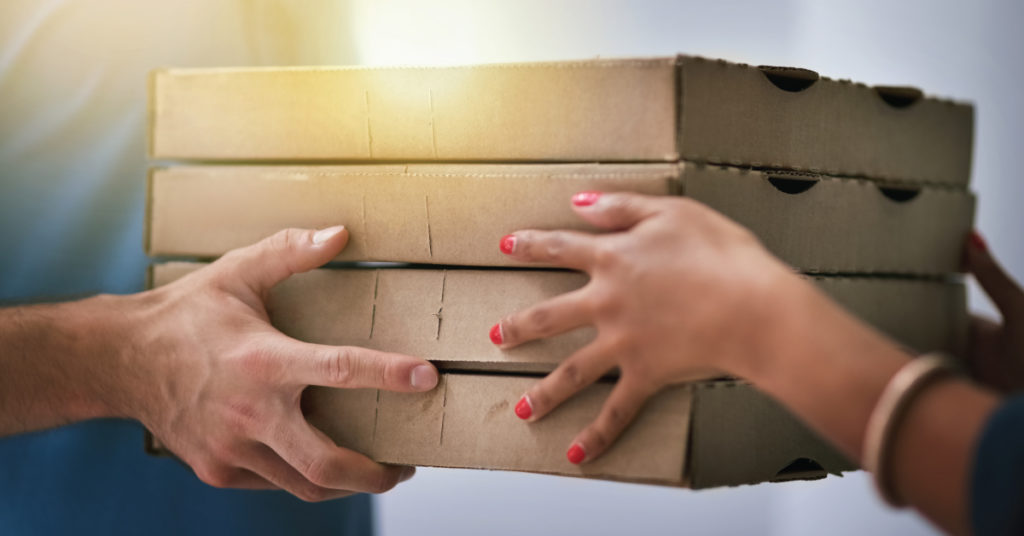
614, 211
1004, 291
285, 253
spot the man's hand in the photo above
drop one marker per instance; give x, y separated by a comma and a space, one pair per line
228, 385
199, 364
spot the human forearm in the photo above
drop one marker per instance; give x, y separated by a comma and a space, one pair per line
55, 360
679, 292
833, 375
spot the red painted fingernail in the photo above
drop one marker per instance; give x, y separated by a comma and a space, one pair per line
496, 337
977, 241
523, 409
575, 454
508, 243
585, 199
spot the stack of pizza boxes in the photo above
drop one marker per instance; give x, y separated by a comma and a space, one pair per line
863, 190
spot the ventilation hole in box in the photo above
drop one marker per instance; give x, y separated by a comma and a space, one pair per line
792, 185
790, 79
899, 96
899, 195
801, 469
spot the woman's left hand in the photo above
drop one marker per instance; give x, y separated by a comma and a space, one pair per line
678, 292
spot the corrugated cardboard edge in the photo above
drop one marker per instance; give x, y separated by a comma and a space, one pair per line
731, 446
844, 84
147, 222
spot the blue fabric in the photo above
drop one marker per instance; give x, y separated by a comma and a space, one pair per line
997, 484
94, 478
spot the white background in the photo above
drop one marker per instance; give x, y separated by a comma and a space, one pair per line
966, 50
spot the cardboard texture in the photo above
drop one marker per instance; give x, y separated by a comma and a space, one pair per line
441, 214
455, 214
445, 315
653, 109
701, 435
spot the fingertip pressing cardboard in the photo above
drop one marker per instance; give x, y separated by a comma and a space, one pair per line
455, 214
700, 435
647, 109
445, 315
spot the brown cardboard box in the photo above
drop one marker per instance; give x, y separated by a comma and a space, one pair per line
653, 109
700, 435
445, 315
456, 213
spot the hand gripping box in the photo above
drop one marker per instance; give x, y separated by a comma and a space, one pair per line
699, 435
704, 434
444, 315
604, 110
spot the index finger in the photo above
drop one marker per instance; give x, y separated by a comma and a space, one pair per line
353, 367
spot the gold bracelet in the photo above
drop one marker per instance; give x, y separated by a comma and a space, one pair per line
892, 406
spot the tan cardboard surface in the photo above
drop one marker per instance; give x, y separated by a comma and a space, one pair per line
467, 421
442, 214
624, 110
841, 225
653, 109
445, 315
455, 214
733, 114
702, 435
739, 436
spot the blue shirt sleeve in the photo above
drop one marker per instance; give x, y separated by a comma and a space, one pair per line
997, 483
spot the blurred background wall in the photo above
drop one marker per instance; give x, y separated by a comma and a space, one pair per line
966, 50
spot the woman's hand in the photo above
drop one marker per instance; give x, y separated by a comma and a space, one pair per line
996, 350
678, 292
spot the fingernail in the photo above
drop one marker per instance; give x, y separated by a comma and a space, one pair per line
585, 199
508, 244
575, 454
324, 235
424, 377
977, 241
523, 408
496, 337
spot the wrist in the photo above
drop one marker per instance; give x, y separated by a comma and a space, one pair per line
123, 378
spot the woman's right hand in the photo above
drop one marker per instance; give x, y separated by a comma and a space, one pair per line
996, 353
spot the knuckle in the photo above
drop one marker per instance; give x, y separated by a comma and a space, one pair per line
572, 376
286, 239
381, 482
616, 418
312, 493
243, 418
338, 367
216, 475
554, 245
317, 473
608, 254
259, 361
540, 320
